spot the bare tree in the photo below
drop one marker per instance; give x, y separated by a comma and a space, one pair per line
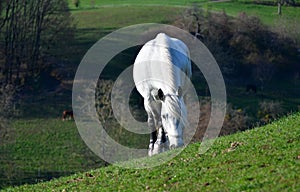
28, 30
193, 21
7, 93
280, 3
213, 29
76, 3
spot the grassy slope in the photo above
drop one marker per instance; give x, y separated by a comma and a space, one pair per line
267, 159
42, 149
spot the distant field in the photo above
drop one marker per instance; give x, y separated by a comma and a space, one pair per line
268, 14
98, 3
106, 3
116, 17
95, 23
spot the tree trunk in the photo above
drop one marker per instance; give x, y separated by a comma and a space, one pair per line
279, 8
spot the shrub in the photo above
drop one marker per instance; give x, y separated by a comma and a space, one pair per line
7, 100
235, 120
268, 111
103, 100
107, 118
241, 45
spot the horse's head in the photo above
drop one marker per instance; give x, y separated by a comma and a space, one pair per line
173, 116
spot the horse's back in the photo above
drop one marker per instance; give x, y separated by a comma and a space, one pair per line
159, 63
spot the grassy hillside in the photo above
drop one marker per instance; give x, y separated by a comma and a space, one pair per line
263, 159
42, 149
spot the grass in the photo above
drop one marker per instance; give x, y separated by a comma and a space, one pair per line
116, 17
42, 149
86, 4
96, 23
268, 14
263, 159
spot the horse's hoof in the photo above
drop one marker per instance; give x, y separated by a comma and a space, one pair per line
173, 146
150, 150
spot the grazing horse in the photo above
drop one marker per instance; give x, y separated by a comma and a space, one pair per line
160, 73
67, 115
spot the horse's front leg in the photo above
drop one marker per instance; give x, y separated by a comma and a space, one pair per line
162, 142
159, 141
157, 135
153, 134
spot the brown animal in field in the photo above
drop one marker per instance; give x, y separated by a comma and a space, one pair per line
67, 115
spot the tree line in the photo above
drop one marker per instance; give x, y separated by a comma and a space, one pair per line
28, 31
243, 46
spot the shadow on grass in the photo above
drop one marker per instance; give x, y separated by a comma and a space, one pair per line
31, 177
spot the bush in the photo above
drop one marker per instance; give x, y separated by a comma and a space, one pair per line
107, 118
287, 28
241, 45
7, 100
103, 100
235, 120
268, 111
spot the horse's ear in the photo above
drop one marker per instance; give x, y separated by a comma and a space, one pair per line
179, 92
160, 95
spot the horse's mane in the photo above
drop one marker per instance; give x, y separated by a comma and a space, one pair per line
167, 49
